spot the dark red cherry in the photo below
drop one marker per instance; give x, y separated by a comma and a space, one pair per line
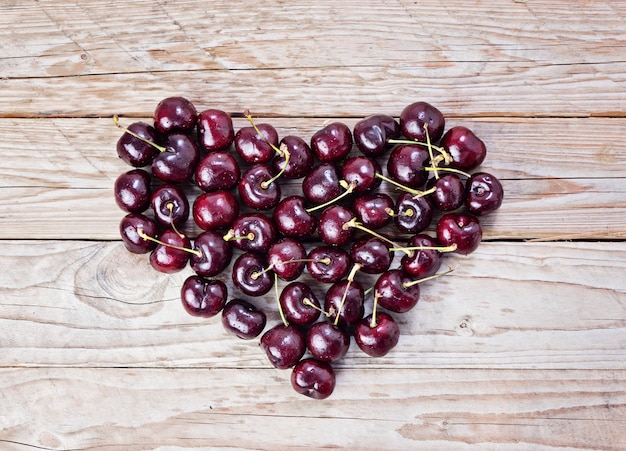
484, 194
215, 210
416, 115
395, 293
217, 171
301, 158
423, 262
463, 230
167, 259
466, 149
202, 297
215, 130
372, 133
413, 215
134, 151
351, 294
377, 339
243, 319
286, 258
216, 254
333, 142
332, 225
249, 275
313, 378
254, 148
373, 210
372, 254
295, 302
406, 165
132, 191
449, 192
327, 342
321, 184
175, 114
129, 225
256, 188
283, 345
253, 232
361, 171
170, 205
328, 264
292, 219
178, 162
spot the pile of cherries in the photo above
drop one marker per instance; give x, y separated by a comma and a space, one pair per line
339, 224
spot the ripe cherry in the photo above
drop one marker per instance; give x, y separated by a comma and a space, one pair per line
328, 264
134, 146
372, 133
332, 143
313, 378
462, 230
175, 114
132, 191
292, 218
299, 304
250, 276
170, 205
202, 297
217, 171
327, 342
413, 118
212, 255
466, 149
484, 194
215, 210
243, 319
283, 345
133, 241
215, 130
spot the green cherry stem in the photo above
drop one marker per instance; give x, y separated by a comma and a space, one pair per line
445, 169
143, 235
349, 188
287, 155
116, 121
350, 278
353, 223
260, 133
435, 276
280, 308
373, 322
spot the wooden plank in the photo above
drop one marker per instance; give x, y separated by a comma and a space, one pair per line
507, 305
66, 408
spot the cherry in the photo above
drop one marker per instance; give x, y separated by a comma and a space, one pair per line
283, 345
170, 205
447, 192
332, 226
215, 210
406, 165
462, 230
371, 254
376, 335
175, 114
372, 133
332, 143
321, 184
299, 304
286, 257
300, 161
202, 297
292, 219
212, 255
327, 342
328, 264
177, 162
412, 214
253, 232
425, 256
413, 118
257, 188
129, 227
134, 147
466, 149
132, 191
215, 130
395, 292
217, 171
372, 210
484, 194
243, 319
256, 143
361, 171
313, 378
249, 276
171, 253
344, 302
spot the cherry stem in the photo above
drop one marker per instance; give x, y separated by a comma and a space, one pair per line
170, 207
373, 322
287, 154
399, 185
350, 278
439, 149
263, 137
456, 171
357, 225
141, 233
255, 275
280, 308
425, 193
309, 303
230, 236
450, 248
430, 150
348, 189
436, 276
116, 120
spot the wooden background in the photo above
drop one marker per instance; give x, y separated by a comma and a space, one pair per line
522, 347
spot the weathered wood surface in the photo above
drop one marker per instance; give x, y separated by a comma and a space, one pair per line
523, 346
